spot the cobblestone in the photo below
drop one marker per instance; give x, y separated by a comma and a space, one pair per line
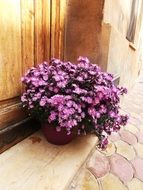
120, 166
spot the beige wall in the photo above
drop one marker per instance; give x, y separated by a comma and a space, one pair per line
122, 59
122, 56
117, 13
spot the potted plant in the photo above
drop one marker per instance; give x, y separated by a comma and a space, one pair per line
73, 99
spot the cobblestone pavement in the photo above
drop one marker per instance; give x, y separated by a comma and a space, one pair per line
120, 167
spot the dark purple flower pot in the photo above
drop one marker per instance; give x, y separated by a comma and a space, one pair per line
54, 137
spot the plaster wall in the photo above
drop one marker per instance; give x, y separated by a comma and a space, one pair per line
122, 56
83, 29
117, 13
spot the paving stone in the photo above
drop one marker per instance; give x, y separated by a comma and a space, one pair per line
128, 137
123, 112
138, 166
109, 150
111, 182
135, 121
139, 136
140, 127
121, 168
85, 181
98, 164
139, 149
141, 114
135, 184
131, 128
125, 150
114, 137
135, 114
89, 182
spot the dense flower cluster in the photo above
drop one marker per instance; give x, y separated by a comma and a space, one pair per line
77, 97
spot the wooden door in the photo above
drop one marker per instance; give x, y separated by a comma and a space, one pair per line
24, 41
31, 31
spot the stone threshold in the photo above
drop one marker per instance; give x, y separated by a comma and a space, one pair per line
35, 164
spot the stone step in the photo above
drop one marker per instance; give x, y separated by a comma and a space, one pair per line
35, 164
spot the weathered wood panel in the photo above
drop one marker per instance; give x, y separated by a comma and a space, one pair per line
27, 30
42, 30
58, 9
15, 133
16, 56
25, 40
10, 49
46, 28
11, 114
